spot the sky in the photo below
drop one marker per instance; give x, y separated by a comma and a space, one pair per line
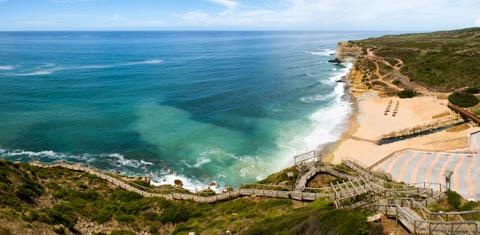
328, 15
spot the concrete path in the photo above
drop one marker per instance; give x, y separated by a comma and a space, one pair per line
414, 166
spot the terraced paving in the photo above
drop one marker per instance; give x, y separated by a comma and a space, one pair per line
414, 166
475, 142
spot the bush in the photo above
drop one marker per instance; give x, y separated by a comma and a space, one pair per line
103, 216
124, 218
472, 90
407, 93
5, 231
454, 199
28, 191
318, 217
122, 232
463, 99
469, 206
175, 214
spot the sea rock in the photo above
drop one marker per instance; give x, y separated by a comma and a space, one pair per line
335, 61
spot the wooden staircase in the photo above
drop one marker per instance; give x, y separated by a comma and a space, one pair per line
348, 191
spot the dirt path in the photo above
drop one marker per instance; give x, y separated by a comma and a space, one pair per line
396, 73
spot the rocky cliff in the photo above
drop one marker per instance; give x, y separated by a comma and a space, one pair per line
347, 52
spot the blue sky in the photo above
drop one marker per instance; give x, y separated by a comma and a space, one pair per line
392, 15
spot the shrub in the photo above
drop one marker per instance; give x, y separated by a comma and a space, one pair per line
463, 99
5, 231
175, 214
472, 90
103, 216
125, 218
28, 191
407, 93
122, 232
454, 199
468, 206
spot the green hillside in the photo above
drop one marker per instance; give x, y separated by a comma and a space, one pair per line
440, 61
56, 200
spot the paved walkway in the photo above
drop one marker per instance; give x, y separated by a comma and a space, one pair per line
475, 142
419, 166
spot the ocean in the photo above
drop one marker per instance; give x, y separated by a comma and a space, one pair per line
225, 107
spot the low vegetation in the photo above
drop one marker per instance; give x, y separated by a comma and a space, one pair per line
316, 218
463, 99
442, 61
407, 93
472, 90
455, 202
57, 200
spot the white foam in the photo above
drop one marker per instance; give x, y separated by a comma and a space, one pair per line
202, 161
7, 67
144, 62
51, 68
328, 120
315, 98
119, 163
121, 160
115, 158
324, 52
41, 72
188, 183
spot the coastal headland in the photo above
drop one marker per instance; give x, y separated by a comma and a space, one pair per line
384, 126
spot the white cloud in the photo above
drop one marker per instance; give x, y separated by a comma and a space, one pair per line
229, 4
477, 22
329, 14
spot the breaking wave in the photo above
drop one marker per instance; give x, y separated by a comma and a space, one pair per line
7, 67
112, 161
324, 52
52, 68
330, 122
315, 98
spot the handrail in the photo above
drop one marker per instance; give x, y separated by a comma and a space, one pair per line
295, 195
464, 112
427, 225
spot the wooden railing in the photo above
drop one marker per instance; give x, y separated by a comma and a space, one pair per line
429, 222
465, 113
434, 125
295, 195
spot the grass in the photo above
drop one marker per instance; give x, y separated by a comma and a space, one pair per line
455, 202
56, 200
317, 218
281, 177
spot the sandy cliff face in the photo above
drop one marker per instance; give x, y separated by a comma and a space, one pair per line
348, 52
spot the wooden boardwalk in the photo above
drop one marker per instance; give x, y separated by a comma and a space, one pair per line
419, 220
414, 214
295, 195
365, 189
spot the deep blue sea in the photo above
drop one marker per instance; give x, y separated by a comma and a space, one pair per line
229, 107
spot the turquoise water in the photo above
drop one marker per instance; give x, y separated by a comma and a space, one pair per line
229, 107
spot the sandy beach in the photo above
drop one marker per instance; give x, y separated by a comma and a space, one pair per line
370, 120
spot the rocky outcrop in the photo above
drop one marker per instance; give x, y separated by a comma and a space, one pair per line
335, 61
347, 52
